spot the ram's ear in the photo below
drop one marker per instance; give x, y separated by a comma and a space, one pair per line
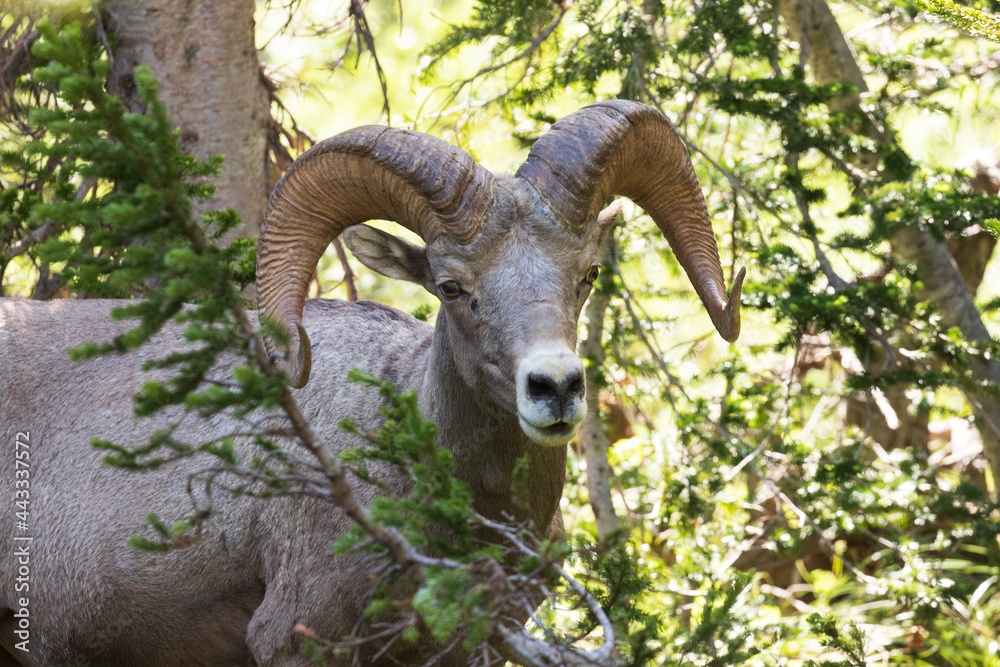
389, 255
607, 217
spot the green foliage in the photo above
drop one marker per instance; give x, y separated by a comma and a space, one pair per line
621, 585
423, 312
437, 513
122, 234
993, 225
972, 19
436, 516
448, 600
719, 636
851, 645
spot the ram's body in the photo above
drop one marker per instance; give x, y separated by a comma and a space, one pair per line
261, 565
512, 260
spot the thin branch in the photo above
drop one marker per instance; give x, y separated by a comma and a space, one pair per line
47, 230
521, 647
361, 30
526, 54
352, 290
15, 51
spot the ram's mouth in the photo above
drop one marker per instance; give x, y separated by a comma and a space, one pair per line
551, 435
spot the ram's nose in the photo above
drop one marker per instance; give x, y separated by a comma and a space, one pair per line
559, 393
551, 395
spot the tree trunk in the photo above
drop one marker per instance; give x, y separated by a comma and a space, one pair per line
831, 60
593, 441
827, 52
973, 250
203, 55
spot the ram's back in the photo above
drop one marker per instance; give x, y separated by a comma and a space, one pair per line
37, 376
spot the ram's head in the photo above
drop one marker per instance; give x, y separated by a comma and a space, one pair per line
512, 258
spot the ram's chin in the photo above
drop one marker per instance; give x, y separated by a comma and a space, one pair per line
553, 435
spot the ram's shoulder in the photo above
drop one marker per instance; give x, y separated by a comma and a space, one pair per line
371, 336
365, 314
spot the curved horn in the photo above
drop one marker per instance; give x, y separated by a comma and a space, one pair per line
371, 172
626, 148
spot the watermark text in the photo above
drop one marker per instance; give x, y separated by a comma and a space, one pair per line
22, 539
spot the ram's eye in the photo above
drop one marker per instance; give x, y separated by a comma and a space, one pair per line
592, 274
450, 289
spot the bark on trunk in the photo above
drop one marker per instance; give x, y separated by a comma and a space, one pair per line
972, 251
203, 54
828, 54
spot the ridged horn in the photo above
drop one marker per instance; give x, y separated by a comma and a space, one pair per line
370, 172
630, 149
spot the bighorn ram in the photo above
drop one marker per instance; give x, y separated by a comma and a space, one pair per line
512, 260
